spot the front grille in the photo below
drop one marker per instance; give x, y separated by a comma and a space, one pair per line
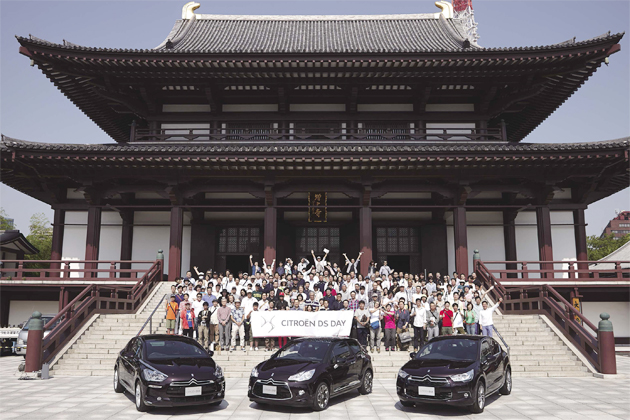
284, 392
412, 391
207, 388
198, 398
428, 380
192, 382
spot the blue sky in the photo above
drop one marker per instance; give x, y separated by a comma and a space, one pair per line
31, 108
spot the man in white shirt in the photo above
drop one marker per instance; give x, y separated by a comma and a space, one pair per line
419, 314
320, 263
485, 317
385, 270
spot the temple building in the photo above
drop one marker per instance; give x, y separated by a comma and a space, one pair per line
398, 136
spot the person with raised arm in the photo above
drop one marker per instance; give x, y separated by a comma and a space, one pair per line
254, 268
485, 317
352, 265
320, 263
269, 268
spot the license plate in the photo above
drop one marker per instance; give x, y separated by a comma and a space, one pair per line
271, 390
192, 391
426, 390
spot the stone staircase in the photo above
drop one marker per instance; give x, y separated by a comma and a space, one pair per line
95, 352
534, 348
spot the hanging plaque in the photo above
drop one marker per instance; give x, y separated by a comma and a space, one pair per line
317, 207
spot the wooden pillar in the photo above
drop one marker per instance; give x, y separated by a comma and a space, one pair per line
61, 294
126, 240
365, 238
509, 239
581, 253
271, 221
57, 240
175, 243
545, 249
461, 240
5, 307
93, 238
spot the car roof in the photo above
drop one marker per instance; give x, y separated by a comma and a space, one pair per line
457, 337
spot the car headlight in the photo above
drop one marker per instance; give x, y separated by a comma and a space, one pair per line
302, 376
152, 375
255, 372
463, 377
218, 371
20, 342
402, 374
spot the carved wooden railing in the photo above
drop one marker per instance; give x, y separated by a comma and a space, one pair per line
525, 271
97, 299
74, 269
309, 134
545, 300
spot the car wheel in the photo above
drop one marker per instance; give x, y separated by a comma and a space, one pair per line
406, 403
506, 389
140, 405
366, 385
479, 396
322, 397
117, 386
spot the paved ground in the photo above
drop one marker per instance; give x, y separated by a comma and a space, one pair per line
90, 398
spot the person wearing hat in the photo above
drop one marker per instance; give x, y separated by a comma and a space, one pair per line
172, 310
188, 320
203, 326
320, 263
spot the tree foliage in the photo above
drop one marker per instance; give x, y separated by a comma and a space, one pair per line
598, 247
4, 222
41, 237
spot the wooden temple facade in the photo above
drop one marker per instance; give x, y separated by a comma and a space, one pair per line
407, 131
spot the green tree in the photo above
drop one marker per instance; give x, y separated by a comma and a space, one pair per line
5, 224
41, 237
598, 247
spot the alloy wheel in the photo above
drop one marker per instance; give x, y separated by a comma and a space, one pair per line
322, 396
508, 379
138, 396
368, 382
115, 378
481, 396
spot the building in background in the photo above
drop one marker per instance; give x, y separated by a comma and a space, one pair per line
395, 135
618, 226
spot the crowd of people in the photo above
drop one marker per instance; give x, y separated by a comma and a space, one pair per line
394, 310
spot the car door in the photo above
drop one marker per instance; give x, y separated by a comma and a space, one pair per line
489, 364
356, 365
125, 362
341, 363
499, 361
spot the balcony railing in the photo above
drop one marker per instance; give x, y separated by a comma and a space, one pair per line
317, 134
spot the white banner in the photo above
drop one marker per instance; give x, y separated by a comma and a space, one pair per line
301, 323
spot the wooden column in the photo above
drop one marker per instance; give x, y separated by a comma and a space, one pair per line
365, 238
509, 239
461, 240
581, 251
271, 221
545, 249
57, 240
126, 240
62, 290
93, 238
175, 243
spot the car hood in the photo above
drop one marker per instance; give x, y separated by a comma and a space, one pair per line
420, 367
283, 368
202, 368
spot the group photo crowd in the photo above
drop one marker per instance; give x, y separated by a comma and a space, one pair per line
393, 310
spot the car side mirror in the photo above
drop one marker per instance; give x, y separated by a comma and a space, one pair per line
210, 353
412, 355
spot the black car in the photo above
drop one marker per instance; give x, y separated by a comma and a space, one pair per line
168, 371
456, 370
307, 372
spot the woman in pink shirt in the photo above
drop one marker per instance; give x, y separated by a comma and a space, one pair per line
390, 328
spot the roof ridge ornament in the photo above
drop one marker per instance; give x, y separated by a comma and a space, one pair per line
447, 8
463, 11
188, 11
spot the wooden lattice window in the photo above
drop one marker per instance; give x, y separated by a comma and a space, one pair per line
239, 240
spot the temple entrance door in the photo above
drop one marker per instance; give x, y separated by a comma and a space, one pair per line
237, 263
399, 263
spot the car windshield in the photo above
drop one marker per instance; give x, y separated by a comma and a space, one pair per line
314, 351
173, 349
453, 349
46, 320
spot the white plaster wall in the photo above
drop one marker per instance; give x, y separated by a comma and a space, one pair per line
450, 241
385, 107
487, 239
619, 315
74, 237
562, 238
148, 239
185, 108
251, 108
110, 241
21, 310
